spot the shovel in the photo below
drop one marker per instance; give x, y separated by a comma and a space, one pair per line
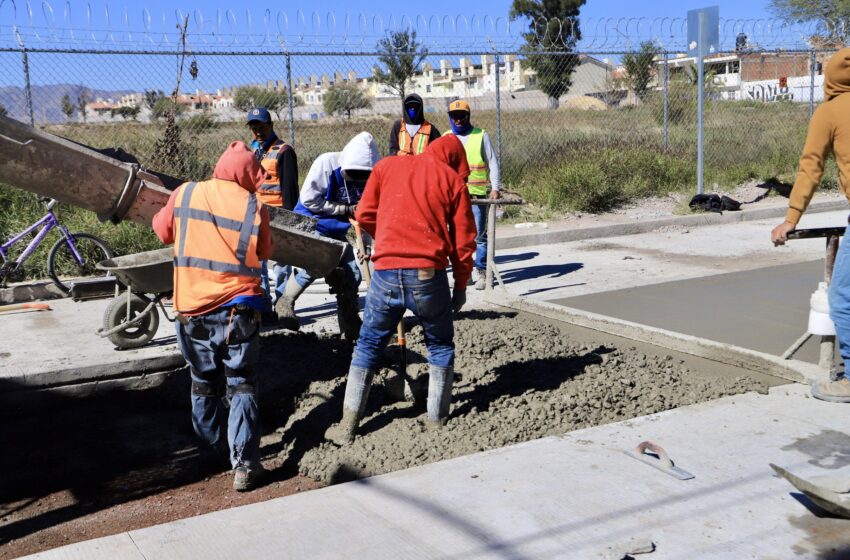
836, 503
24, 306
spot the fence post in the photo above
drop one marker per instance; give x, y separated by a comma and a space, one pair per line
28, 86
290, 100
812, 62
666, 103
498, 114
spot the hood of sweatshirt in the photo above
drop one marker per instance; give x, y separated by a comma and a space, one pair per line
361, 152
239, 165
836, 77
413, 109
449, 149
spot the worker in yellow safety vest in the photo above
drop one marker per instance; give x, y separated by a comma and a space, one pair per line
410, 135
483, 180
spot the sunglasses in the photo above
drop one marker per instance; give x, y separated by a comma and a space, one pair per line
458, 114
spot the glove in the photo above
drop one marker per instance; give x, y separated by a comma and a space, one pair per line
458, 300
349, 210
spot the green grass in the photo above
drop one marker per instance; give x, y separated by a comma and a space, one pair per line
559, 160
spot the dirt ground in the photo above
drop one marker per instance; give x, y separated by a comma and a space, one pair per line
99, 466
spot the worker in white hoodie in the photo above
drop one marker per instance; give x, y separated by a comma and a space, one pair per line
330, 193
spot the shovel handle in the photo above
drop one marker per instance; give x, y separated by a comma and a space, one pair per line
17, 306
663, 458
361, 248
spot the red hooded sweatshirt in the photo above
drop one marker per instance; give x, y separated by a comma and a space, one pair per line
418, 211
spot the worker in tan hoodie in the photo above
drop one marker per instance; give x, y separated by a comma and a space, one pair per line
829, 131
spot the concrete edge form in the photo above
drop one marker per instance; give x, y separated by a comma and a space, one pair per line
792, 370
633, 228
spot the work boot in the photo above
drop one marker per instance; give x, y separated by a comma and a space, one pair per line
481, 280
832, 391
348, 316
247, 477
285, 306
439, 396
342, 433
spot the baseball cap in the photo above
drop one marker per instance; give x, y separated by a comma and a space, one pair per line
459, 105
259, 114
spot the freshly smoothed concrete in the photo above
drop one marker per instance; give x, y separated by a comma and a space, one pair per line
575, 496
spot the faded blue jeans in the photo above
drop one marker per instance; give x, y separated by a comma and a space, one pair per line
346, 284
479, 214
281, 275
221, 349
839, 302
426, 293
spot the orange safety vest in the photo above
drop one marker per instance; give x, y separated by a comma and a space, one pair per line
408, 146
216, 226
269, 191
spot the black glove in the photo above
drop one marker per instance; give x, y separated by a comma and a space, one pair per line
350, 209
458, 299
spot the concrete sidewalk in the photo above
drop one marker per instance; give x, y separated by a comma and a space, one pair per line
575, 496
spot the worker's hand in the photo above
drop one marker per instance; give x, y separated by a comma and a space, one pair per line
350, 209
494, 194
779, 235
458, 300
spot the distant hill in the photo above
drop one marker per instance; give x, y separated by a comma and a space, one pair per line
47, 101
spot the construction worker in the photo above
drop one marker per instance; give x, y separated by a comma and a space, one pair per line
829, 131
331, 192
419, 213
221, 234
483, 173
280, 188
410, 135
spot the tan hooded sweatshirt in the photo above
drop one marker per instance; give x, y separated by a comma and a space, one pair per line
829, 130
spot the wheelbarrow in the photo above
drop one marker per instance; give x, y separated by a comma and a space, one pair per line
131, 319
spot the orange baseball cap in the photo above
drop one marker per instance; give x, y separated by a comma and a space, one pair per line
459, 105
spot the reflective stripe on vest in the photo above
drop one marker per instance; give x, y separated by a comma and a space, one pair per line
215, 254
269, 191
479, 174
408, 146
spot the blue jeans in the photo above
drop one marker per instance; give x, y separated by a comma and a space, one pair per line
839, 302
393, 291
479, 213
221, 349
347, 284
281, 275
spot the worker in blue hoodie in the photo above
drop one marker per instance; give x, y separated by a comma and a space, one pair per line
330, 193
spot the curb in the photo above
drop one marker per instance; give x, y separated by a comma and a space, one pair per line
633, 228
26, 292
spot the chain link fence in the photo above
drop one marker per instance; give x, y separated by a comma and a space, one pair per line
573, 130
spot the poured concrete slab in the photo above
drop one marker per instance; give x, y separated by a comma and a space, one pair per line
575, 496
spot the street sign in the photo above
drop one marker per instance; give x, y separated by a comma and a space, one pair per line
710, 20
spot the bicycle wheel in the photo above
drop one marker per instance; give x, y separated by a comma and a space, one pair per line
136, 335
62, 266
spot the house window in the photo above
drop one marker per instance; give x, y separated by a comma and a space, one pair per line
735, 67
427, 89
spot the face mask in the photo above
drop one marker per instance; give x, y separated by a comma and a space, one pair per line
411, 112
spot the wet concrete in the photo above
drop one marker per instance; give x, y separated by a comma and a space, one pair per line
764, 309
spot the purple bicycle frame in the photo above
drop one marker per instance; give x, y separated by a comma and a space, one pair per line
48, 222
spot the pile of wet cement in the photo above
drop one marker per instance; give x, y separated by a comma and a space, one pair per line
516, 380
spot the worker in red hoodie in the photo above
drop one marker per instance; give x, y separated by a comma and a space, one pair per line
418, 211
221, 234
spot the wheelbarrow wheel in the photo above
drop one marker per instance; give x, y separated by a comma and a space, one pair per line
135, 335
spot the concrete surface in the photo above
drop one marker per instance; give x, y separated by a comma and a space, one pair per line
575, 496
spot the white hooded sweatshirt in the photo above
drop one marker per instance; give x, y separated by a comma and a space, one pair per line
361, 153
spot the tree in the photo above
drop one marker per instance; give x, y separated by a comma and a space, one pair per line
248, 97
126, 111
3, 111
152, 96
83, 99
67, 107
164, 107
639, 67
401, 55
345, 98
553, 32
834, 13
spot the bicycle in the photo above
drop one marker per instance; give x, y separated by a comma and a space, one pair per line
73, 255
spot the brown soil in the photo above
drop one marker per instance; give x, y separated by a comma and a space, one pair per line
112, 463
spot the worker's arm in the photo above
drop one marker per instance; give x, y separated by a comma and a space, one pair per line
435, 133
316, 187
264, 237
163, 221
367, 208
489, 155
394, 138
817, 148
287, 171
462, 231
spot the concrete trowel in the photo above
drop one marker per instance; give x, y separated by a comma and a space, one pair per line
830, 492
113, 185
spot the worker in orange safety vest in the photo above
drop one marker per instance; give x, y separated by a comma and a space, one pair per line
411, 135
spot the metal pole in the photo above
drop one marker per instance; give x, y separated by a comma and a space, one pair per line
666, 102
28, 86
491, 245
290, 100
700, 101
812, 62
498, 121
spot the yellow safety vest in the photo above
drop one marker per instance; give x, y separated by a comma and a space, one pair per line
479, 175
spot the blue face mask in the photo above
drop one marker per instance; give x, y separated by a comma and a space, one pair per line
411, 112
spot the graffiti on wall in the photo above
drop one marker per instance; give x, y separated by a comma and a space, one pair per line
777, 91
